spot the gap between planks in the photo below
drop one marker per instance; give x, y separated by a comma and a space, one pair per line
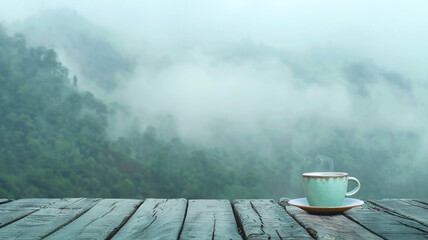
404, 208
5, 200
155, 219
335, 226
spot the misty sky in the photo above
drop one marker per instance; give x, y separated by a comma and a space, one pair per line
391, 32
268, 64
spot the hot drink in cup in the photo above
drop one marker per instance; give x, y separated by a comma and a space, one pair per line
327, 189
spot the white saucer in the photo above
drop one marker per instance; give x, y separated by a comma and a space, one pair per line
348, 203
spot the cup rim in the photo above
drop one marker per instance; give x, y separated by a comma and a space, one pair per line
325, 174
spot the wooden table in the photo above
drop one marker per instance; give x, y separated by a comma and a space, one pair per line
86, 218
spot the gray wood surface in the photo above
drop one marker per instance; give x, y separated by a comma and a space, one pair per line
4, 200
405, 209
81, 218
265, 219
15, 210
155, 219
386, 225
422, 200
210, 219
101, 221
48, 219
329, 226
416, 203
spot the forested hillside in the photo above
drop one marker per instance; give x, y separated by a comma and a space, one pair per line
53, 144
82, 42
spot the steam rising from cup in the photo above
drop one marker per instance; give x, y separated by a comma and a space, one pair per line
324, 164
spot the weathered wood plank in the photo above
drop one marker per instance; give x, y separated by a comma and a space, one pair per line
265, 219
385, 224
328, 226
4, 200
48, 219
416, 203
15, 210
210, 219
405, 209
422, 200
101, 221
155, 219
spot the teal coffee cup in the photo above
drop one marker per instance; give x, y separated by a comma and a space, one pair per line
327, 189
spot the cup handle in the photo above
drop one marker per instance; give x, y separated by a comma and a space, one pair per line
355, 190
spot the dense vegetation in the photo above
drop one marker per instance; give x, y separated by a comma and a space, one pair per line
53, 142
82, 42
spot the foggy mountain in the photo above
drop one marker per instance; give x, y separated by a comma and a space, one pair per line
86, 47
54, 142
259, 106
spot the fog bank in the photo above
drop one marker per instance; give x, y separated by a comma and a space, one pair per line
252, 76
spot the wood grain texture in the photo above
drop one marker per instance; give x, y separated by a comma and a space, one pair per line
4, 200
416, 203
422, 200
265, 219
210, 219
329, 226
48, 219
405, 209
102, 220
385, 224
80, 218
15, 210
155, 219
